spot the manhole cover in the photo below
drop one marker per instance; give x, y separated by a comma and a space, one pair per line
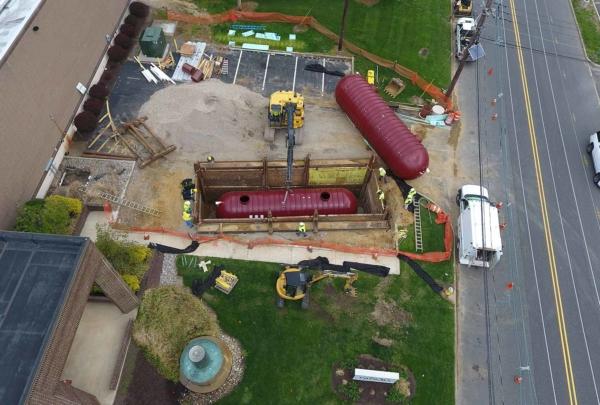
423, 52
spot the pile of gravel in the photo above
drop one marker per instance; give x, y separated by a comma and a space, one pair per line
169, 271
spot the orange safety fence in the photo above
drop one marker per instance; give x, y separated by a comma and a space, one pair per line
308, 244
434, 257
235, 15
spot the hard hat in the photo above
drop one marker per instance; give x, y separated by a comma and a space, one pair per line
187, 203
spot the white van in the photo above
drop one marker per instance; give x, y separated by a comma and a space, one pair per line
479, 242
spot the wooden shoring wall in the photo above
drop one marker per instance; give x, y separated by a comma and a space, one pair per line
214, 179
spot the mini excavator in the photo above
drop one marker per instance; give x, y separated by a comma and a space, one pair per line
294, 284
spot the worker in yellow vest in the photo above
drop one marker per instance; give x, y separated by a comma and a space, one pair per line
301, 229
410, 197
187, 206
382, 174
187, 218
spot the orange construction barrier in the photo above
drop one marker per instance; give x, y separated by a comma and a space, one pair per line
235, 15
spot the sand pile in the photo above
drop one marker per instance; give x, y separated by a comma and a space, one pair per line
224, 120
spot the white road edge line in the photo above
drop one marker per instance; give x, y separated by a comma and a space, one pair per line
295, 69
266, 69
237, 66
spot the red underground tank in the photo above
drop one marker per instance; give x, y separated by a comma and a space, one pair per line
399, 148
299, 202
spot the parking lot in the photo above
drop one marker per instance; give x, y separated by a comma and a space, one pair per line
266, 72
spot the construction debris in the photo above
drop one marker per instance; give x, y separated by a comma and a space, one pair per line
144, 145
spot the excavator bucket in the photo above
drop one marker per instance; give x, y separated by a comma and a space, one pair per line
395, 87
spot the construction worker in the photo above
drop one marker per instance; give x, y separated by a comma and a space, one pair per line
210, 159
410, 197
382, 174
380, 195
187, 206
301, 229
187, 218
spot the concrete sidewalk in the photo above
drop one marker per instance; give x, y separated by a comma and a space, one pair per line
287, 254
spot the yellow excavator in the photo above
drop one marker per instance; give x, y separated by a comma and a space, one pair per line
286, 110
463, 7
294, 284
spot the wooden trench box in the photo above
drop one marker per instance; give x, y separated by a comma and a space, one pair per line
357, 175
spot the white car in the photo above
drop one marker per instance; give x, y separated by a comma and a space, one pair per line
593, 149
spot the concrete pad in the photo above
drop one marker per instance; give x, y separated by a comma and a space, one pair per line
95, 349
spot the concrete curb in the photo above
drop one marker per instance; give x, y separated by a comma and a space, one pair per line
594, 64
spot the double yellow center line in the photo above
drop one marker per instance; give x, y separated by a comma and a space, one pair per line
564, 340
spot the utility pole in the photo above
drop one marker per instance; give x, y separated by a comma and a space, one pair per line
341, 42
465, 54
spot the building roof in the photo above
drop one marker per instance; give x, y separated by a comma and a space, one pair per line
14, 16
35, 274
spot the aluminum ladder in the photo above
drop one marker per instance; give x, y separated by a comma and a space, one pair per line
129, 204
417, 223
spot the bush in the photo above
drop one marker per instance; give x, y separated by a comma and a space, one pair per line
128, 30
53, 215
85, 121
124, 41
99, 91
133, 20
168, 318
117, 53
72, 205
93, 105
126, 257
132, 281
139, 9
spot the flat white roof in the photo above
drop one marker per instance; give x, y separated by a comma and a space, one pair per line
14, 16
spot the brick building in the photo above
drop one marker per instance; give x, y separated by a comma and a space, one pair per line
45, 282
47, 47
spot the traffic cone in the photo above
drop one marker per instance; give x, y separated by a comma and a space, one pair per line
518, 379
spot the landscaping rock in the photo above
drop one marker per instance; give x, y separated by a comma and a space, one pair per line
169, 271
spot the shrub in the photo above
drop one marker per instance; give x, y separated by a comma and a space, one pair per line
168, 318
124, 41
99, 91
139, 9
107, 76
132, 281
53, 215
133, 20
128, 30
117, 53
72, 205
93, 105
126, 257
85, 121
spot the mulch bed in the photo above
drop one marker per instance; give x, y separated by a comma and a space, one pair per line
152, 277
147, 386
370, 392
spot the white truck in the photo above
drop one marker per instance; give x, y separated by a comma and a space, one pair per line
465, 30
479, 242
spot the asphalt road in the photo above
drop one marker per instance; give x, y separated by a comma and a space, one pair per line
546, 328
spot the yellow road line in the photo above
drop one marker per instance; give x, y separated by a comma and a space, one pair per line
564, 340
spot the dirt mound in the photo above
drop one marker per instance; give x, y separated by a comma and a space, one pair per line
218, 113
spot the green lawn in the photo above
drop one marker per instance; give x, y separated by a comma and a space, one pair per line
290, 352
589, 27
395, 30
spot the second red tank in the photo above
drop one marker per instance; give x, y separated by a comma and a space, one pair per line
299, 202
386, 133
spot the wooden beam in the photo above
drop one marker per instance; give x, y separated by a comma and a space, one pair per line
222, 227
